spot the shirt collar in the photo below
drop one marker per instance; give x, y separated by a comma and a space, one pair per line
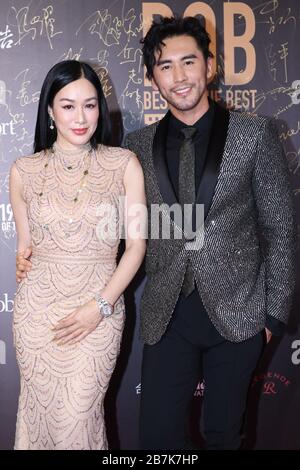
203, 124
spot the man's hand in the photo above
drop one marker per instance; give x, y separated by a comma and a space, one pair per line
23, 264
78, 324
268, 335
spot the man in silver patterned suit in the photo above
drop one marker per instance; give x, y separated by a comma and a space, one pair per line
211, 308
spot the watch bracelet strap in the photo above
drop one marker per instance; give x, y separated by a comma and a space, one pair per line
101, 302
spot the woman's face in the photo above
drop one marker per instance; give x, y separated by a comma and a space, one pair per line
75, 112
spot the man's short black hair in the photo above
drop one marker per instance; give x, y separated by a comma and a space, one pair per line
167, 27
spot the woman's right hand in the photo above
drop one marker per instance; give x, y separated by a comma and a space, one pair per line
23, 264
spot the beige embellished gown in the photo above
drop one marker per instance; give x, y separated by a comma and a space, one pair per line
73, 257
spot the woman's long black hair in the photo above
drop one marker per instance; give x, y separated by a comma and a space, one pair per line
58, 77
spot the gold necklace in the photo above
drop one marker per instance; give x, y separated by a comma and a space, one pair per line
86, 162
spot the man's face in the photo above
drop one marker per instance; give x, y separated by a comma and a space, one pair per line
181, 74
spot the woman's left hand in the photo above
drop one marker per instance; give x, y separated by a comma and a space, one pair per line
78, 324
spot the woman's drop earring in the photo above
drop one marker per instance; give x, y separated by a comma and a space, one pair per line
51, 124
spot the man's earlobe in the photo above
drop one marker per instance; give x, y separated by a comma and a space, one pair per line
209, 69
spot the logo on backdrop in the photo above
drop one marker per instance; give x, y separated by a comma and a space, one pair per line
2, 92
7, 127
6, 41
6, 304
230, 72
8, 225
295, 357
2, 352
199, 392
295, 95
272, 382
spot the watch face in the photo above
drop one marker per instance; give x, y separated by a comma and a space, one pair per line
107, 310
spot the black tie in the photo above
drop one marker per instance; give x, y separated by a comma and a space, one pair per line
187, 194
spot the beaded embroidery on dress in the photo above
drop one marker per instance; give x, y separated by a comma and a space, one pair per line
63, 387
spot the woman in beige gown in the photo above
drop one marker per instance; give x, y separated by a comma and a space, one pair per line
69, 314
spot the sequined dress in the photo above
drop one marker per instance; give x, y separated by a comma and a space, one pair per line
73, 257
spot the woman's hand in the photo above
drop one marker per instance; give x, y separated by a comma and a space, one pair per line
23, 265
78, 324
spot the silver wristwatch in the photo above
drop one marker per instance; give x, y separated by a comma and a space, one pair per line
105, 308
